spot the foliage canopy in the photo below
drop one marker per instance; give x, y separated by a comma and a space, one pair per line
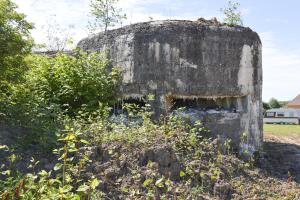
62, 84
15, 42
232, 14
106, 14
274, 103
84, 79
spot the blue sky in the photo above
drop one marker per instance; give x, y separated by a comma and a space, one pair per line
275, 21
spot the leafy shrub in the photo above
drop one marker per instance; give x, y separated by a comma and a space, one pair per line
232, 14
56, 88
80, 81
84, 81
65, 182
15, 43
274, 103
266, 106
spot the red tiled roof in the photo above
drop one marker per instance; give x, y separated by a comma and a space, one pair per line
295, 102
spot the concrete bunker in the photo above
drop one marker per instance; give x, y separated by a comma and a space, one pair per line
211, 68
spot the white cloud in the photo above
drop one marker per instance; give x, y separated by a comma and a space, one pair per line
142, 10
76, 12
281, 70
65, 13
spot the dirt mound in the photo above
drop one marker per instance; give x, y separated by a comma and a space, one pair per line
180, 165
177, 167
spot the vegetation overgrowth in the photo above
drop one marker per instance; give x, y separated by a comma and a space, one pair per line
15, 44
97, 158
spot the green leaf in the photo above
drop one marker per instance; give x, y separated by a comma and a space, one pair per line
70, 137
7, 172
169, 182
182, 174
3, 147
125, 189
66, 188
83, 188
43, 173
94, 183
12, 158
84, 141
58, 166
160, 182
202, 174
213, 178
147, 182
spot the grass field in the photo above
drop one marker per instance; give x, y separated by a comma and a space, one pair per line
282, 130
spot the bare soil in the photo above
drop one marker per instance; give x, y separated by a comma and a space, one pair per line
281, 156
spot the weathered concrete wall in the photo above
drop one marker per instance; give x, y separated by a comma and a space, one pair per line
191, 60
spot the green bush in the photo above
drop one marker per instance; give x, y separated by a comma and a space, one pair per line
55, 88
76, 82
266, 106
65, 83
64, 182
274, 103
15, 43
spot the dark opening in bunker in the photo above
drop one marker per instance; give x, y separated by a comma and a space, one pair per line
120, 106
121, 111
229, 104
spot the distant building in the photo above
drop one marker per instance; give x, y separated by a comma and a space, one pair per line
294, 103
282, 116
